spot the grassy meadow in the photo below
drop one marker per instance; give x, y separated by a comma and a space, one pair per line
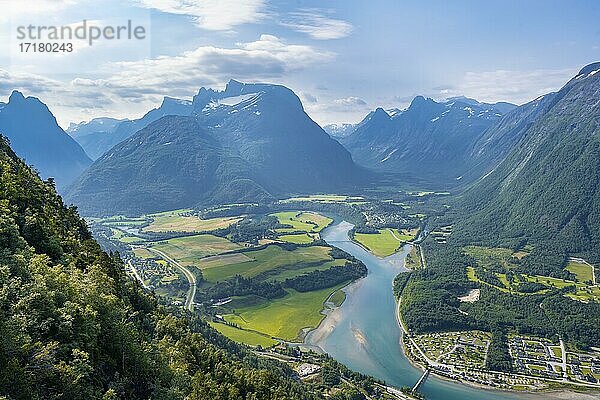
286, 317
244, 336
189, 250
386, 242
302, 221
265, 260
173, 221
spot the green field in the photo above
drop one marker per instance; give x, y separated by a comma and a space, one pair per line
117, 233
121, 220
381, 244
130, 239
472, 277
583, 292
284, 318
338, 298
260, 261
302, 221
244, 336
188, 250
301, 238
222, 260
173, 221
488, 256
581, 270
291, 271
143, 253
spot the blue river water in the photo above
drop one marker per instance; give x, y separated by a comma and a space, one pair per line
364, 334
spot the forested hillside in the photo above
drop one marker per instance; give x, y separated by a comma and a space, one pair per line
430, 304
74, 326
547, 191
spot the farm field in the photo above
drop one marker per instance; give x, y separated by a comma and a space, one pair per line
189, 250
581, 270
143, 253
243, 336
583, 292
177, 221
301, 221
281, 274
384, 243
301, 238
261, 261
284, 318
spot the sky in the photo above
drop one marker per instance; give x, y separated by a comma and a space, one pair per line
343, 58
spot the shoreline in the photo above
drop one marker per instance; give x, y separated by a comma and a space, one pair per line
570, 393
326, 312
329, 323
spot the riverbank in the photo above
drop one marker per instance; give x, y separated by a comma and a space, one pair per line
557, 393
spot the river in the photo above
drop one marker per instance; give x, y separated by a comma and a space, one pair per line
364, 335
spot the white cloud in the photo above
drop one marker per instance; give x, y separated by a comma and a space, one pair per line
26, 82
514, 86
128, 88
267, 58
351, 101
215, 15
317, 25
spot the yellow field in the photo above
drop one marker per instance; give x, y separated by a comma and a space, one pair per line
143, 253
284, 318
244, 336
222, 260
174, 222
188, 250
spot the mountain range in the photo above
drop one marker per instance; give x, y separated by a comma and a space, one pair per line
35, 136
250, 142
548, 186
431, 140
101, 134
339, 130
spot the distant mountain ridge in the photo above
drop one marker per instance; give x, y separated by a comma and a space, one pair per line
429, 139
35, 136
548, 187
250, 142
339, 130
101, 134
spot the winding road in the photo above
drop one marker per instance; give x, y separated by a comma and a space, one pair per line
189, 301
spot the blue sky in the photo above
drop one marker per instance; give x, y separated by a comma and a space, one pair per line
343, 58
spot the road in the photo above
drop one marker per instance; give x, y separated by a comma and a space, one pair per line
136, 274
191, 295
564, 358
